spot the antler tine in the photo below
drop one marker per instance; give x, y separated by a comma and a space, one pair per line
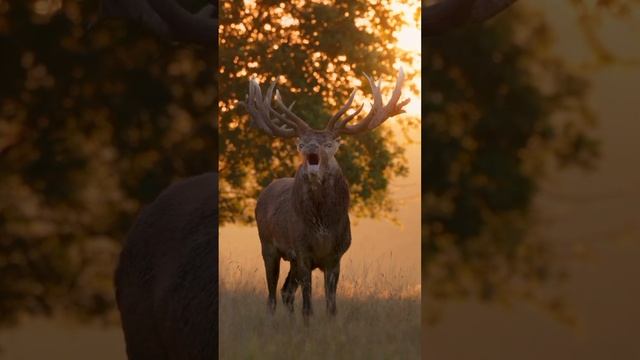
375, 90
267, 105
379, 112
260, 109
391, 106
377, 102
249, 104
342, 110
300, 124
342, 122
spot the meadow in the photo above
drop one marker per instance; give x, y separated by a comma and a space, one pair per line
378, 316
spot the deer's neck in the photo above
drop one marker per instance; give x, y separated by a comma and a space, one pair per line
321, 200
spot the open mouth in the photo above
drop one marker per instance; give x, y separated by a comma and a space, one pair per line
313, 159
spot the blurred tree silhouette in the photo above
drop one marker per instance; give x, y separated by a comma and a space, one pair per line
500, 110
92, 126
591, 16
316, 50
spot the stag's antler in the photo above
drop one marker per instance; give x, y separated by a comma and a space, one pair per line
378, 113
287, 124
260, 109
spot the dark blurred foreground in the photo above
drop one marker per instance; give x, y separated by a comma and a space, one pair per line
581, 224
92, 126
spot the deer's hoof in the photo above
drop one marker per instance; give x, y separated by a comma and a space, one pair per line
271, 307
306, 315
288, 300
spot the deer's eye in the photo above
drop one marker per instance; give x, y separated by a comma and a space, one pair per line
328, 145
301, 146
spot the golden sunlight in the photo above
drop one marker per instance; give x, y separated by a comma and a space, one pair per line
408, 38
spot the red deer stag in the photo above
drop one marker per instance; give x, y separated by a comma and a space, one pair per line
305, 219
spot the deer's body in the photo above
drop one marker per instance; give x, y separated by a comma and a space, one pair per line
305, 220
167, 277
301, 220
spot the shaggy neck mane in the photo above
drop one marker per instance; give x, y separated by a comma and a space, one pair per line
322, 202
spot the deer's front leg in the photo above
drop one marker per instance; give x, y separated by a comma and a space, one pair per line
304, 277
331, 276
272, 268
290, 286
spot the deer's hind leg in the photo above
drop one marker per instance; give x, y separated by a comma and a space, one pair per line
290, 286
272, 267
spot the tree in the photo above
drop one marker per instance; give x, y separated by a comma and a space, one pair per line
500, 109
93, 124
591, 16
315, 52
169, 18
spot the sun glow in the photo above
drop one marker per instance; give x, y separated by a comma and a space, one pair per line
408, 38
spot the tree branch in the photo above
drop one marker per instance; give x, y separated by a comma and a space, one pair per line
167, 18
447, 15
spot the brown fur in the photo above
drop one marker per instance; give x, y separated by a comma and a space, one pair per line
167, 278
305, 220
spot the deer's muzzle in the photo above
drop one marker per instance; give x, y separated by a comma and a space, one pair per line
313, 159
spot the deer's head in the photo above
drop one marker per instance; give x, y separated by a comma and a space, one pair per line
318, 147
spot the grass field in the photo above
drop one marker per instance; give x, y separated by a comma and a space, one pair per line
378, 317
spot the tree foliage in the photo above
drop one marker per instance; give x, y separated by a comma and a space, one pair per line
92, 126
592, 16
316, 52
500, 109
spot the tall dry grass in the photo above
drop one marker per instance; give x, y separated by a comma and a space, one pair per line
378, 316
